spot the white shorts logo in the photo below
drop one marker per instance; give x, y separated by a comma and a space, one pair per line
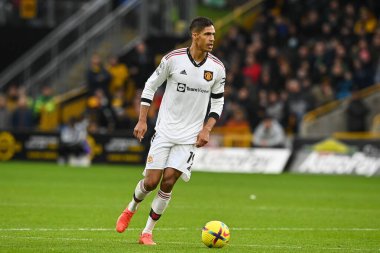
149, 159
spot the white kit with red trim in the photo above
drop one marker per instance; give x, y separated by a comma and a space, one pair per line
189, 87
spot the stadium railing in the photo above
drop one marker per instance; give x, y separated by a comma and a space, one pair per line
46, 53
244, 16
330, 118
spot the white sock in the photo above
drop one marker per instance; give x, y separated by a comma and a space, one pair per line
138, 196
159, 205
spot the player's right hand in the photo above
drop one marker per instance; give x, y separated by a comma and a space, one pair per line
140, 130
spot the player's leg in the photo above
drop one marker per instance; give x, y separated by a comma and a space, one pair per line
159, 204
143, 188
179, 164
156, 161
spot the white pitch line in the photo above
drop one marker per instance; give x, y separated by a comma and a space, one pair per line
187, 229
305, 229
187, 243
47, 238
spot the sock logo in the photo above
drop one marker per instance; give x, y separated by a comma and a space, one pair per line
154, 215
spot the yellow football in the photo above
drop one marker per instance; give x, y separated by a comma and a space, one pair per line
215, 234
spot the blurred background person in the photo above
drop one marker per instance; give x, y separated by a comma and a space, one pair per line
73, 147
119, 74
22, 116
44, 103
98, 78
356, 114
5, 115
269, 134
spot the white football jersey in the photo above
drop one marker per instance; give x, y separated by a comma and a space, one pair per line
189, 87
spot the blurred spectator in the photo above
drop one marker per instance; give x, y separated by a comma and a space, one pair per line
22, 92
229, 103
375, 50
377, 76
5, 10
12, 97
323, 93
266, 82
238, 119
245, 100
142, 65
357, 113
118, 105
4, 113
73, 148
133, 111
344, 87
252, 69
363, 74
97, 76
296, 105
22, 117
100, 112
269, 134
119, 74
367, 22
44, 103
275, 108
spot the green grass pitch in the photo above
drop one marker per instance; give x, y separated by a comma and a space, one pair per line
48, 208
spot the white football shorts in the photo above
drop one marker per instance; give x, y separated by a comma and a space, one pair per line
163, 154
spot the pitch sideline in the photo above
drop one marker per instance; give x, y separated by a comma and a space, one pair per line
186, 229
187, 243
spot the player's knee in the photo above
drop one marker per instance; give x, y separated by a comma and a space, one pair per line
167, 184
150, 184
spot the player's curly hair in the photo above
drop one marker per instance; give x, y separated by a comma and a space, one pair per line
199, 23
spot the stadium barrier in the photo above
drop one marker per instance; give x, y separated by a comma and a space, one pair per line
351, 155
330, 118
332, 156
243, 160
43, 146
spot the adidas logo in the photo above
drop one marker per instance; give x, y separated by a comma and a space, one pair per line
183, 72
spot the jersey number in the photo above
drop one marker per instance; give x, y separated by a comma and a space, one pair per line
190, 160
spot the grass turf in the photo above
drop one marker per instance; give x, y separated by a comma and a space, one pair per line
46, 208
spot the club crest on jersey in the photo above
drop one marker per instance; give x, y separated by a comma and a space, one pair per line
208, 75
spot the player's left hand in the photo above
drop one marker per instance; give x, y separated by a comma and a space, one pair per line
202, 138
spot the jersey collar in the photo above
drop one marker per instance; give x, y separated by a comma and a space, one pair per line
194, 62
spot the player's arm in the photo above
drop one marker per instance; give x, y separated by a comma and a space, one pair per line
151, 86
217, 101
204, 135
141, 126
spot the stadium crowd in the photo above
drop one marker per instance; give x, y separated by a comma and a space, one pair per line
297, 56
300, 55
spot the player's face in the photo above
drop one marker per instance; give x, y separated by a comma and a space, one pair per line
205, 39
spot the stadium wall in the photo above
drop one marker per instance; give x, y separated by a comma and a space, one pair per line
44, 146
312, 155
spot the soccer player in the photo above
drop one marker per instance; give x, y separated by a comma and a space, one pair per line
193, 75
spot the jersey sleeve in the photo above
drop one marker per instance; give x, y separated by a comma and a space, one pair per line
217, 95
155, 81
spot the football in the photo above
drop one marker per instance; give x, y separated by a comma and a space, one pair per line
215, 234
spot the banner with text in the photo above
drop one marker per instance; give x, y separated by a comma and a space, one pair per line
245, 160
330, 156
38, 146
